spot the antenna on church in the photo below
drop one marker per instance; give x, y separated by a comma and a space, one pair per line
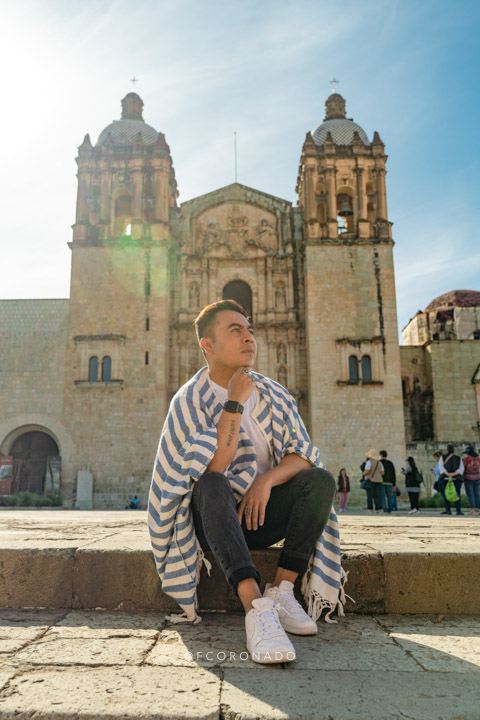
133, 80
334, 82
235, 152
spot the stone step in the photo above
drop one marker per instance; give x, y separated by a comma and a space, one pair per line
91, 560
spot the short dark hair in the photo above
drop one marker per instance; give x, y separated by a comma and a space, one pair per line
383, 453
204, 320
450, 448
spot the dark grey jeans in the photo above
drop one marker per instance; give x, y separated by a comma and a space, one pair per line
297, 510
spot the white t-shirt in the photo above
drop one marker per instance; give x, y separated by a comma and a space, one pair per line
262, 451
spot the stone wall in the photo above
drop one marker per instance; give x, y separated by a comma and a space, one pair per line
32, 362
350, 299
456, 414
117, 424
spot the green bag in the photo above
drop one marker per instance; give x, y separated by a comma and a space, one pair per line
450, 491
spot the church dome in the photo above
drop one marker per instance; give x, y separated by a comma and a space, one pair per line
336, 122
455, 298
124, 132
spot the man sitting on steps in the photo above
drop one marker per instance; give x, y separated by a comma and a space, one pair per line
236, 470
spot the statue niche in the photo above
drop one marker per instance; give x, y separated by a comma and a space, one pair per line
281, 354
280, 297
193, 296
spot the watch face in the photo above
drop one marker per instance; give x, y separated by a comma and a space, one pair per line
233, 407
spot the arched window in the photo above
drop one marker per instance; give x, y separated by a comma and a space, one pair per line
93, 369
123, 205
353, 368
122, 213
241, 292
475, 335
106, 369
366, 368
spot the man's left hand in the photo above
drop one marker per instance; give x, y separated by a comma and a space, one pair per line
256, 497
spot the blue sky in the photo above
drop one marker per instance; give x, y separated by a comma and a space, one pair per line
408, 69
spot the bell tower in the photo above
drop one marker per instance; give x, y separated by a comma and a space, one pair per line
350, 307
123, 258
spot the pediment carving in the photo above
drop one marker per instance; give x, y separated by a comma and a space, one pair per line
236, 230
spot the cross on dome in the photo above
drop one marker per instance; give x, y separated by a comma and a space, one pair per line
334, 82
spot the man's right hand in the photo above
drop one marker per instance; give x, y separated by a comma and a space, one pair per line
240, 386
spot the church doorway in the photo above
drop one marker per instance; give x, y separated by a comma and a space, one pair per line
35, 456
241, 292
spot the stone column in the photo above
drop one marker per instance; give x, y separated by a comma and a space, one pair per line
269, 298
105, 194
290, 292
137, 177
381, 193
261, 302
362, 200
331, 196
184, 290
212, 280
82, 212
204, 285
271, 352
160, 182
310, 194
182, 341
292, 359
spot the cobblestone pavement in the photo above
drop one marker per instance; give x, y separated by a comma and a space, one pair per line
97, 665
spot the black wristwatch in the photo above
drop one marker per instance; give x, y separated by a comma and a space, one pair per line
233, 407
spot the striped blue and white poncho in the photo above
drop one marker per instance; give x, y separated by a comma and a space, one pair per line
187, 445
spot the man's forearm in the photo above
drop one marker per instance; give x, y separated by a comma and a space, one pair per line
289, 466
228, 430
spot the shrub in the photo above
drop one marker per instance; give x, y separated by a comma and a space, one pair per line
26, 499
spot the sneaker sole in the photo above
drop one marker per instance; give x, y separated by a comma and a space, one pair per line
298, 631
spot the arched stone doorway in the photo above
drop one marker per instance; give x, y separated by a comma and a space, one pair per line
241, 292
35, 463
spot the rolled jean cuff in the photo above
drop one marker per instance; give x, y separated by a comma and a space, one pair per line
295, 563
241, 572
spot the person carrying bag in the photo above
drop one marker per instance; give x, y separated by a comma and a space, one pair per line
374, 472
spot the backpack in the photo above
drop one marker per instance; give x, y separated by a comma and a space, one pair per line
471, 465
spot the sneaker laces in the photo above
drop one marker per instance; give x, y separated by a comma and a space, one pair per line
269, 622
290, 603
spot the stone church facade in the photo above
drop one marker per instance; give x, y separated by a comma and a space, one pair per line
89, 379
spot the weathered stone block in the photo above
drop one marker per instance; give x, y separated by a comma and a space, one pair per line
432, 583
36, 578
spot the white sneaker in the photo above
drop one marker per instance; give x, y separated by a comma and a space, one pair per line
292, 616
266, 639
411, 512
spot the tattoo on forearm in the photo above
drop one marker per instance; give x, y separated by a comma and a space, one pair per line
230, 434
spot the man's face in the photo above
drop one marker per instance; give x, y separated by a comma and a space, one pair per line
232, 343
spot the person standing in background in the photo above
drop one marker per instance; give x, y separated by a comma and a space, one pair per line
374, 472
451, 466
436, 472
471, 477
412, 482
343, 487
389, 482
